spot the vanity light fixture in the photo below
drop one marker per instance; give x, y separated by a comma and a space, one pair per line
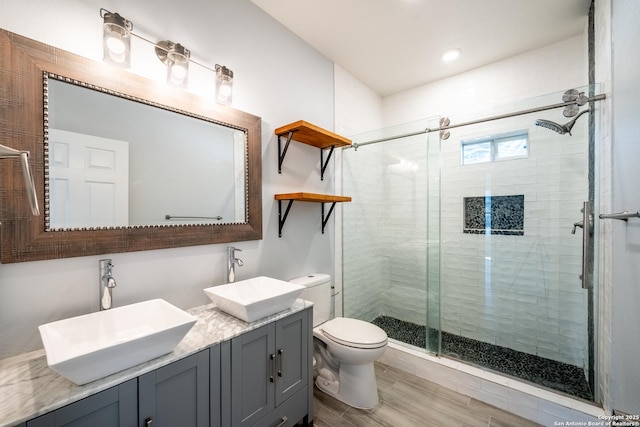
176, 58
224, 85
116, 39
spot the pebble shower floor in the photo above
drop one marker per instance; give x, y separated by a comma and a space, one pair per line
546, 372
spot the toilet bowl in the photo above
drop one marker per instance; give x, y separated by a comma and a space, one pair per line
344, 348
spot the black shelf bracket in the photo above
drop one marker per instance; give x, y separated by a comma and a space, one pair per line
282, 152
282, 217
325, 220
323, 164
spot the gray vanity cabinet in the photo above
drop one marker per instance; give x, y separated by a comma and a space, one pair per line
117, 406
176, 394
269, 373
258, 378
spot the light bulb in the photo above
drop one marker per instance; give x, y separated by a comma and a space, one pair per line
115, 45
178, 72
225, 90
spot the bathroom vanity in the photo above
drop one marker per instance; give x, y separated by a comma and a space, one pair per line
225, 372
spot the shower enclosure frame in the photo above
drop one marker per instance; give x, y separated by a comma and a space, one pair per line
587, 276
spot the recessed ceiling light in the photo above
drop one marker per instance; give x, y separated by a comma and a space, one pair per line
451, 55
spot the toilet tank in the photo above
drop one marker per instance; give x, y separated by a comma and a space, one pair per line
318, 291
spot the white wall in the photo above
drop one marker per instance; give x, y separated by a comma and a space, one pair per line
231, 32
625, 175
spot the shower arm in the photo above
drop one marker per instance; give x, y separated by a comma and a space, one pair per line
11, 153
445, 127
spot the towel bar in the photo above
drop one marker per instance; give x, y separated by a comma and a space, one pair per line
623, 216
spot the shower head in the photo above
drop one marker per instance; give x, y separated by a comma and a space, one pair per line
561, 129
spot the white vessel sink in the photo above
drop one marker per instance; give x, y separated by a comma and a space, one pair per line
253, 299
89, 347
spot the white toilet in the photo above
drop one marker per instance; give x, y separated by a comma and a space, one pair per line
344, 349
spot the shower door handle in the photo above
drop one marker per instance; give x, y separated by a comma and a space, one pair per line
576, 225
587, 227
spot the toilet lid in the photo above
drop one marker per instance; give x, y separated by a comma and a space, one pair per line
354, 333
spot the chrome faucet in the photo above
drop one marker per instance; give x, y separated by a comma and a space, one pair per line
107, 283
231, 263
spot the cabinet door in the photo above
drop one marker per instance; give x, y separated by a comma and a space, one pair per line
116, 406
291, 355
176, 394
252, 375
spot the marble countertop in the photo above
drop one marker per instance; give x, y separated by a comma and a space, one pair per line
29, 388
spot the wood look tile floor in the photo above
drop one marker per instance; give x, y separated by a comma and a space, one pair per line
410, 401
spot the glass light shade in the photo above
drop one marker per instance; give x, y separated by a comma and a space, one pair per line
224, 85
177, 70
116, 40
176, 58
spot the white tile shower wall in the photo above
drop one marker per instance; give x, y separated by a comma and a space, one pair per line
362, 248
405, 229
357, 109
385, 231
520, 292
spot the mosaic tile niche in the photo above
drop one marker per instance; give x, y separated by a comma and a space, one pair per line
503, 215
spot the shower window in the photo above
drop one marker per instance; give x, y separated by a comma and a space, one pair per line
494, 148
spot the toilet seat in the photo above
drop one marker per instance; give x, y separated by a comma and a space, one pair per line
354, 333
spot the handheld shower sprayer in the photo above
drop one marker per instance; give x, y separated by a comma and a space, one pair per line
7, 153
561, 129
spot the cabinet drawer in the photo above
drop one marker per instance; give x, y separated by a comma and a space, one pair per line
293, 409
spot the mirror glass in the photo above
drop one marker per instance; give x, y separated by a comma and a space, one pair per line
118, 161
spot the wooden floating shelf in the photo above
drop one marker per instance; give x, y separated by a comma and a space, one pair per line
309, 134
312, 197
307, 197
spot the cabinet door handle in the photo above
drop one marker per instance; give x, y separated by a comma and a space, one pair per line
281, 354
284, 421
148, 422
272, 357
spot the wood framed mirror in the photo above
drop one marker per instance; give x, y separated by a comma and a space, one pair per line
26, 68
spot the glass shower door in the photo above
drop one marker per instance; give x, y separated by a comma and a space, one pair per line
391, 265
464, 247
512, 296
